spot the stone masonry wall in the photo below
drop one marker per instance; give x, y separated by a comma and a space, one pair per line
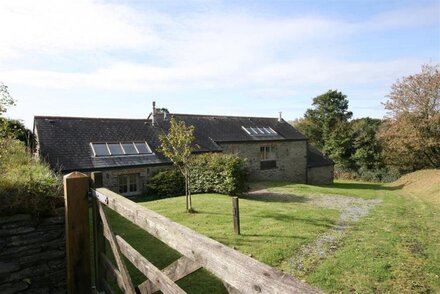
111, 180
322, 175
290, 156
32, 254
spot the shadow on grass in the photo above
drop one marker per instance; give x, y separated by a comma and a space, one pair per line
272, 236
275, 197
319, 222
340, 185
363, 186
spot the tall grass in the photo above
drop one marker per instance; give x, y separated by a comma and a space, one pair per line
26, 184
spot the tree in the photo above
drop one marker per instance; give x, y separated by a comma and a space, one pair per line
5, 99
367, 149
326, 126
411, 133
329, 110
177, 146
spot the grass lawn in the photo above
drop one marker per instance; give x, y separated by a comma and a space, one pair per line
396, 248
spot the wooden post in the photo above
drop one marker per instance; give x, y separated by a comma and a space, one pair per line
98, 234
76, 188
236, 215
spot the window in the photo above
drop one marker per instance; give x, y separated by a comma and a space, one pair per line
101, 149
268, 157
120, 148
129, 148
267, 152
260, 131
129, 184
115, 149
142, 147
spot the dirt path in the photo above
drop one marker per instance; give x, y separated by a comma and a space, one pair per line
310, 255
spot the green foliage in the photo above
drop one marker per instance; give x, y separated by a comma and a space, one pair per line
367, 148
6, 99
353, 145
12, 128
167, 183
210, 172
386, 174
326, 126
26, 185
177, 146
218, 173
329, 111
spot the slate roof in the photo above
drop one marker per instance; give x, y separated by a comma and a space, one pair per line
64, 142
229, 128
316, 159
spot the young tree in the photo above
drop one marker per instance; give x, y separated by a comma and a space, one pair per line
177, 146
411, 133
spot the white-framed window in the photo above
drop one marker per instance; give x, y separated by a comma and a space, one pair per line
267, 152
128, 185
259, 131
120, 148
268, 157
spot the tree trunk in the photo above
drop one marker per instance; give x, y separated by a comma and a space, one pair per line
189, 190
186, 193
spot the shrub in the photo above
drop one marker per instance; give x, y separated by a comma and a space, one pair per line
168, 182
210, 173
384, 175
218, 173
26, 184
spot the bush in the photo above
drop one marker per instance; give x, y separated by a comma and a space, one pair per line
166, 183
26, 184
210, 173
218, 173
382, 175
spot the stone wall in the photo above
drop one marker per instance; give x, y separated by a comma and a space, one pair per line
111, 181
290, 156
322, 175
32, 254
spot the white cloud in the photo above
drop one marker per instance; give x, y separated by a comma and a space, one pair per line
56, 26
262, 77
195, 51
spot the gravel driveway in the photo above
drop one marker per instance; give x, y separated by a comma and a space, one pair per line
352, 209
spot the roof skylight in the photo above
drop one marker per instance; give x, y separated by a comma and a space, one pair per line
120, 148
260, 131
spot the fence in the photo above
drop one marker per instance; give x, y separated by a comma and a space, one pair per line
239, 273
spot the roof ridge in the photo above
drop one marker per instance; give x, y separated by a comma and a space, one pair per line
85, 117
222, 116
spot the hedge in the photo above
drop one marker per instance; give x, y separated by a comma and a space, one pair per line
218, 173
210, 173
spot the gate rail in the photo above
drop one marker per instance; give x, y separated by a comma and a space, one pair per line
239, 273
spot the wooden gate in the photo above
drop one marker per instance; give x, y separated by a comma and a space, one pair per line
239, 273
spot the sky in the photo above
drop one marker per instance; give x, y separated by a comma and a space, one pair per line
246, 58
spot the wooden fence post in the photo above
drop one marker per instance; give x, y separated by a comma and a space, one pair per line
236, 215
98, 233
76, 188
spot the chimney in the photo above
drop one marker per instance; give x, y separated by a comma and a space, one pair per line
280, 118
153, 114
165, 115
